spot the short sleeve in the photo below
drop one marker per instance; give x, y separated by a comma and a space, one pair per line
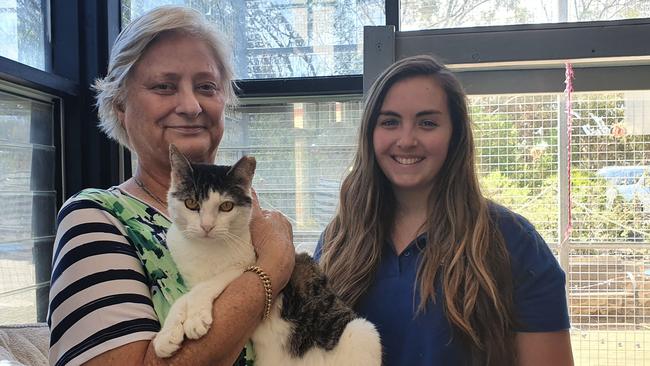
99, 295
539, 281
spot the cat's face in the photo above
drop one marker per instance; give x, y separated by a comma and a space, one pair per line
210, 201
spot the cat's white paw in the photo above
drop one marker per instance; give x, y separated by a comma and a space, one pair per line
198, 322
168, 340
171, 335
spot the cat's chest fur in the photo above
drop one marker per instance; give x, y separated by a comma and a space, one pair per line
200, 259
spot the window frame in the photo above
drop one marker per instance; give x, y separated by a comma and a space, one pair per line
497, 59
84, 157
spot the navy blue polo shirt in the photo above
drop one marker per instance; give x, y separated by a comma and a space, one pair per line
425, 339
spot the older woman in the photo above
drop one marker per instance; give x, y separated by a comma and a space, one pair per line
168, 81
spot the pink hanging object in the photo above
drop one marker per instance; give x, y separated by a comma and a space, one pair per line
568, 93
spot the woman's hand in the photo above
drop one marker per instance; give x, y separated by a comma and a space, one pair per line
272, 237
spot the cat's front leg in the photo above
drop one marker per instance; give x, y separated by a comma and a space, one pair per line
169, 338
199, 303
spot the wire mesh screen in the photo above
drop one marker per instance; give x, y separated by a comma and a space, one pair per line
609, 262
611, 167
517, 152
517, 138
609, 302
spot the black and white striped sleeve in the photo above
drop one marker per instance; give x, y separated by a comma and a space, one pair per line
99, 295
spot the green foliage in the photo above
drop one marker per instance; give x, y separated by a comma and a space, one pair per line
593, 220
537, 204
516, 136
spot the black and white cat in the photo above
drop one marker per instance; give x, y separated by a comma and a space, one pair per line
209, 240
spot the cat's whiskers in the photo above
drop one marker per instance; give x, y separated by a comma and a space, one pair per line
239, 247
228, 235
190, 231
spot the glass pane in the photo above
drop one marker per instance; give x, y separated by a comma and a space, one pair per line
608, 273
422, 14
302, 152
518, 159
609, 305
286, 38
22, 31
516, 141
27, 190
17, 279
611, 166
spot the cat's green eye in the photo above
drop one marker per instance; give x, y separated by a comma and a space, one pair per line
226, 206
191, 204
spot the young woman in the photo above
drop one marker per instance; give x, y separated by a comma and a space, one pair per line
448, 277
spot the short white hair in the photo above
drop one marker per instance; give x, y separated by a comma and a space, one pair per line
131, 44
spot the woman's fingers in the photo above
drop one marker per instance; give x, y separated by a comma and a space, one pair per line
272, 237
268, 222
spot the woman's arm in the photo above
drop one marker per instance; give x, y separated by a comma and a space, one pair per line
236, 313
99, 294
544, 349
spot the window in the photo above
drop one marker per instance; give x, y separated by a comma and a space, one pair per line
23, 32
27, 190
606, 258
517, 154
517, 140
286, 38
419, 14
302, 148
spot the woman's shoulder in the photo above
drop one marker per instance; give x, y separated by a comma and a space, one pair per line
89, 199
508, 220
525, 245
96, 195
113, 201
513, 227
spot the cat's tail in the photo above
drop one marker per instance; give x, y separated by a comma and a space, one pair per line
359, 345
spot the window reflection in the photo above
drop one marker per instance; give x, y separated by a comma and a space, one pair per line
28, 196
22, 31
421, 14
286, 38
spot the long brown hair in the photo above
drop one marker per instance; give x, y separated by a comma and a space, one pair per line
464, 245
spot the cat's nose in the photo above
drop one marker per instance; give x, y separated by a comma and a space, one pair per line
207, 227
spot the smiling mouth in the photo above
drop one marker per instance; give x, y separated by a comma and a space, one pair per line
407, 161
187, 129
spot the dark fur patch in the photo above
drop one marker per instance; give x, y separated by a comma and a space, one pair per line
318, 316
204, 178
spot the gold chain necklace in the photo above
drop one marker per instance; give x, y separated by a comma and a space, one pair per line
147, 191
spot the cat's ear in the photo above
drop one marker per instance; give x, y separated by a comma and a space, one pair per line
244, 169
181, 168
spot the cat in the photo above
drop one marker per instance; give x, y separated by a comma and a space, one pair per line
209, 240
